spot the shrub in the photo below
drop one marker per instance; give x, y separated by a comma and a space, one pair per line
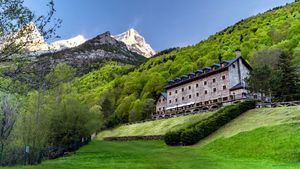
172, 138
197, 131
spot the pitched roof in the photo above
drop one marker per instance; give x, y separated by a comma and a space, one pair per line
209, 72
164, 94
236, 87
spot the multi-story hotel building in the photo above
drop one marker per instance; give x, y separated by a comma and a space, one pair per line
205, 89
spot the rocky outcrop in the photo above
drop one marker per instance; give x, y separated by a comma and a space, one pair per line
136, 43
88, 55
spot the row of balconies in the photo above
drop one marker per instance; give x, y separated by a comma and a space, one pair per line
204, 106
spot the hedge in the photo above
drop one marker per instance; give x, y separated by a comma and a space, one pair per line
199, 130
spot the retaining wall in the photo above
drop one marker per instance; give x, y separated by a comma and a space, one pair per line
133, 138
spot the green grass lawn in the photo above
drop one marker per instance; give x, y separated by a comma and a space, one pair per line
260, 139
157, 127
263, 148
256, 118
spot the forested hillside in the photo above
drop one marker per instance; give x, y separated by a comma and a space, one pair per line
60, 109
130, 97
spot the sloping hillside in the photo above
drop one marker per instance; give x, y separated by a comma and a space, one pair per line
261, 138
278, 28
254, 119
248, 121
279, 142
157, 127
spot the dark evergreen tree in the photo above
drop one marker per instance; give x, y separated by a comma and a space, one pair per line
287, 79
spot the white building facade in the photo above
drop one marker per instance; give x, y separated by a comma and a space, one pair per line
205, 89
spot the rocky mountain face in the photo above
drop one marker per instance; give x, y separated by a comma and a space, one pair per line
89, 55
28, 38
136, 43
133, 40
36, 44
84, 55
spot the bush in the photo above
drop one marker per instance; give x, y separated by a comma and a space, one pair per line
197, 131
172, 138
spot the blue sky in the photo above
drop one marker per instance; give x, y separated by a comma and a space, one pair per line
163, 23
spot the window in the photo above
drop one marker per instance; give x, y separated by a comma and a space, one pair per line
225, 98
190, 96
170, 101
197, 85
175, 100
197, 94
224, 87
182, 98
224, 77
214, 89
233, 65
182, 89
205, 92
214, 80
175, 91
190, 87
170, 93
205, 82
159, 100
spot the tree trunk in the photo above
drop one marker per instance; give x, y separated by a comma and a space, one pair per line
1, 153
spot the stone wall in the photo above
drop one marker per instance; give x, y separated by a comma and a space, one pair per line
133, 138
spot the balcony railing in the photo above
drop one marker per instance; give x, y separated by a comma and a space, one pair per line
210, 105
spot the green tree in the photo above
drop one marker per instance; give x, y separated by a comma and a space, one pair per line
288, 80
96, 119
122, 111
70, 121
8, 115
141, 109
32, 127
62, 73
260, 80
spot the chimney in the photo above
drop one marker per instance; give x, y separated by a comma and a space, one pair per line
220, 60
238, 53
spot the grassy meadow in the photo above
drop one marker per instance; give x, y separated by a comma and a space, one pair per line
157, 127
262, 138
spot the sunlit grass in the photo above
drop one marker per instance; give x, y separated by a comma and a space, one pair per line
260, 139
256, 118
157, 127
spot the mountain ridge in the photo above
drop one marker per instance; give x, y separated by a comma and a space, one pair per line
90, 55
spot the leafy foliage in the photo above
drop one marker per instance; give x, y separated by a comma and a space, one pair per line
264, 34
274, 74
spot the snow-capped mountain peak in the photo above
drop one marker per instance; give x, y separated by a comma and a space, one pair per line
69, 43
136, 43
